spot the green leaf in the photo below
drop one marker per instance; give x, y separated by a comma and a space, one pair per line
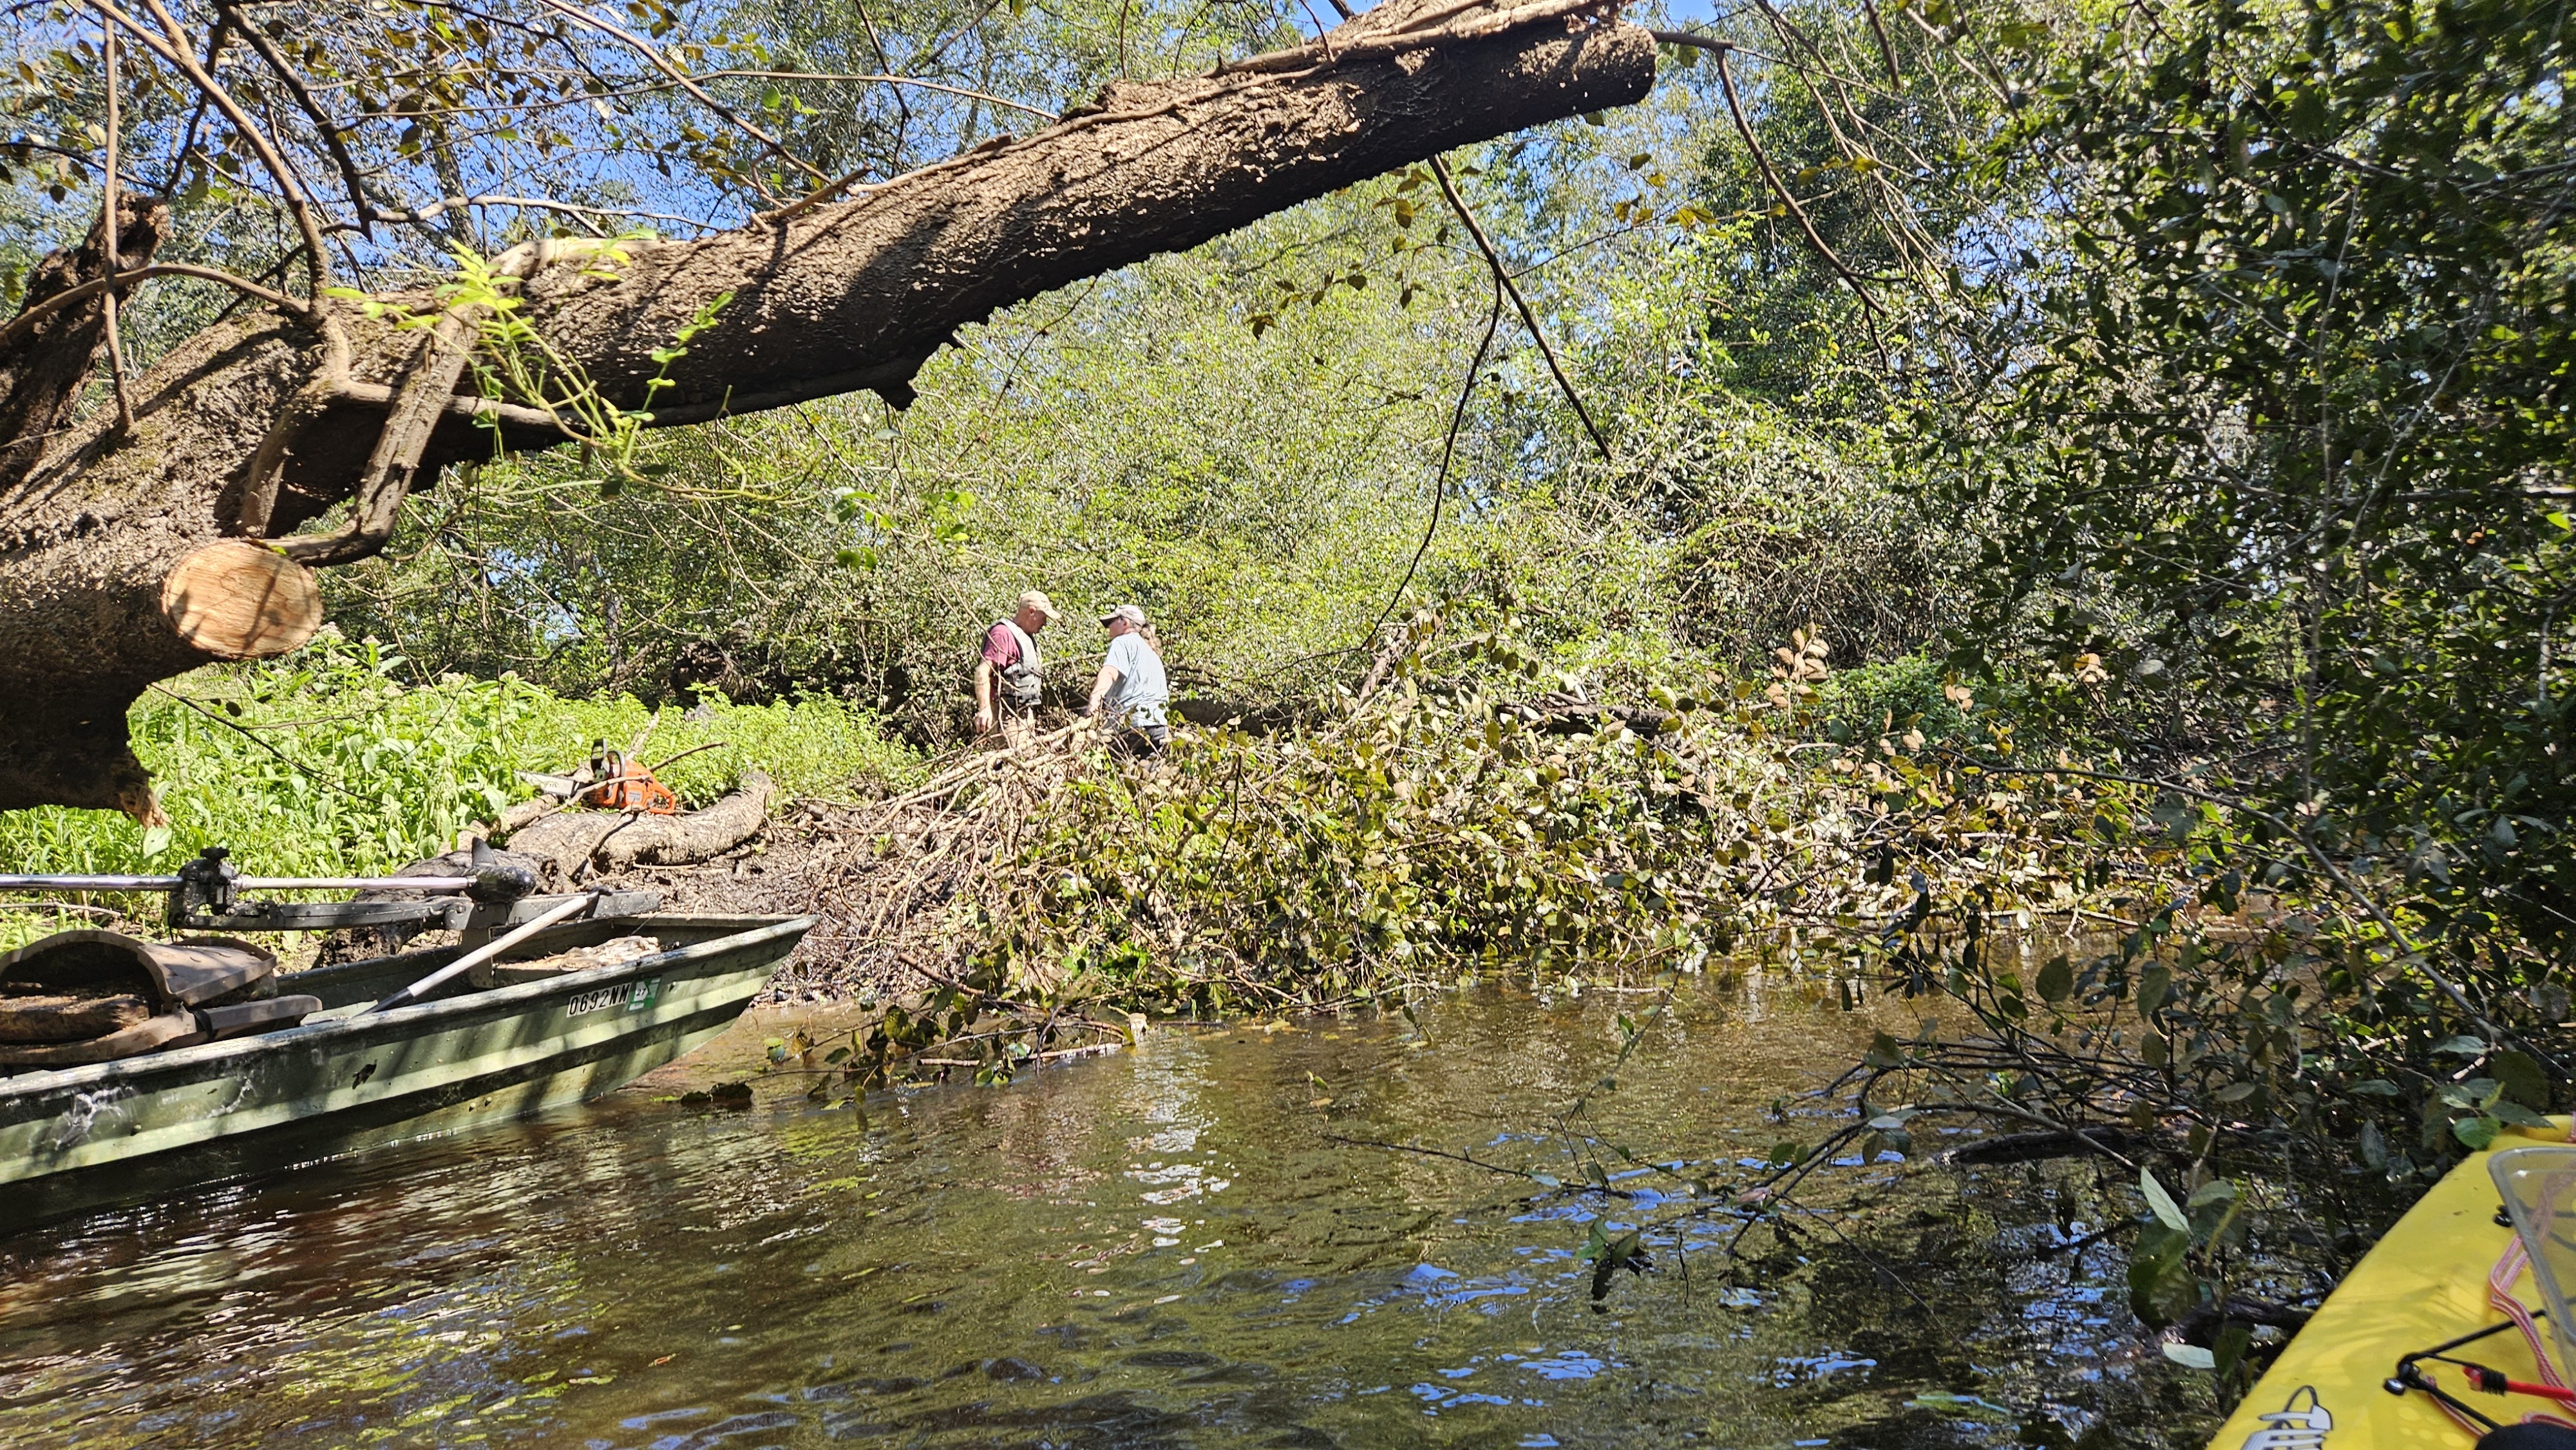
2476, 1132
2189, 1356
2166, 1210
2518, 1115
2463, 1045
2162, 1287
2229, 1352
2056, 980
2522, 1077
2154, 985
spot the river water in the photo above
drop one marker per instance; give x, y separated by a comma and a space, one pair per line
1175, 1245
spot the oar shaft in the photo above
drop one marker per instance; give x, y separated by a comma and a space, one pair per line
484, 953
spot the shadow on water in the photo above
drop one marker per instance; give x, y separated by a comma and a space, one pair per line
1163, 1247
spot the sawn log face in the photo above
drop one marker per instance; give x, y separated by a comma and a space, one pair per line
838, 298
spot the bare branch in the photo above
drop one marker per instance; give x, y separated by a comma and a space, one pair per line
1529, 319
109, 224
425, 212
173, 49
884, 80
304, 97
663, 64
1744, 128
93, 287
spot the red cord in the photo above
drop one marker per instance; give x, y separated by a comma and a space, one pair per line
2494, 1383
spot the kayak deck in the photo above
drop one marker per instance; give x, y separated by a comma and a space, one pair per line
2423, 1283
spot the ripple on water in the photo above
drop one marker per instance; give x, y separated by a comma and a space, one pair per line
1160, 1248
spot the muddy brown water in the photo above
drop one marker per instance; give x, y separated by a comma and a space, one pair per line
1164, 1246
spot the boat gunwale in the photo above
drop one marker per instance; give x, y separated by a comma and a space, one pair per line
21, 1086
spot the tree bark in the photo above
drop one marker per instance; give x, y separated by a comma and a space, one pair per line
569, 842
825, 299
43, 372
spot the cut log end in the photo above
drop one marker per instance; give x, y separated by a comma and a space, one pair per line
239, 600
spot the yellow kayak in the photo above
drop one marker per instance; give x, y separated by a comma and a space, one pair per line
2422, 1284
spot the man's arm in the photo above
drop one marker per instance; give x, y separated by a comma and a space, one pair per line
1101, 687
983, 695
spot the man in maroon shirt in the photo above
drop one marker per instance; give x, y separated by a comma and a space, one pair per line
1008, 680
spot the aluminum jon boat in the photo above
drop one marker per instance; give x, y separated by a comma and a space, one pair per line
349, 1077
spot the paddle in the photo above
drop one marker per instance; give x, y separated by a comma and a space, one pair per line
562, 911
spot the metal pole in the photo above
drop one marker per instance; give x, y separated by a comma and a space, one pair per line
355, 883
482, 954
89, 883
246, 883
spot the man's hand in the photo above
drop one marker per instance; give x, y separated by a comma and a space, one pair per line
983, 719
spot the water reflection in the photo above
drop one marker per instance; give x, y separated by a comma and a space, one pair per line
1163, 1247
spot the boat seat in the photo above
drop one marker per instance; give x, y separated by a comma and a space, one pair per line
605, 954
261, 1014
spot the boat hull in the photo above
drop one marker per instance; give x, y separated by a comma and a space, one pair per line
79, 1138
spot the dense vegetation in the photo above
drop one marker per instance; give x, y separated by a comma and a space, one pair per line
2142, 434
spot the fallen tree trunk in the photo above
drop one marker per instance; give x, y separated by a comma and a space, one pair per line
572, 844
258, 426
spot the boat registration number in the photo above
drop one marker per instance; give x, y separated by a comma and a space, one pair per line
633, 996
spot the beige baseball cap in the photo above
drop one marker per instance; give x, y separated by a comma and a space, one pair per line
1037, 600
1131, 613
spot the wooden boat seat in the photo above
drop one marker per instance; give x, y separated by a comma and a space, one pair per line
261, 1014
605, 954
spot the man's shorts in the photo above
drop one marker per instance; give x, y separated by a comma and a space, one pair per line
1138, 741
1013, 727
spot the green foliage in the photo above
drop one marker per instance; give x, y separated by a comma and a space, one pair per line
2286, 421
327, 762
1130, 439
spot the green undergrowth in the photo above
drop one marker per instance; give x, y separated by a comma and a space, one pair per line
331, 761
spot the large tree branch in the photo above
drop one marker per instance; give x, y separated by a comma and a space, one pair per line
826, 300
884, 281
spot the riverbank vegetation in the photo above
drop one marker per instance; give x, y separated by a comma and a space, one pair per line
2059, 515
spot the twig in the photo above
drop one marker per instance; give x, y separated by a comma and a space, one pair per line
1473, 1162
656, 766
108, 912
1529, 319
1744, 128
317, 777
110, 224
1448, 450
36, 312
663, 64
175, 53
312, 107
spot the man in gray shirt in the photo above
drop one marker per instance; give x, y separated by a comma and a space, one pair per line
1130, 692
